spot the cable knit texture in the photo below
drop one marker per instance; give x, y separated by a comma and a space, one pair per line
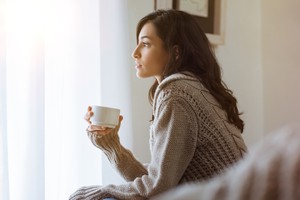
270, 171
190, 140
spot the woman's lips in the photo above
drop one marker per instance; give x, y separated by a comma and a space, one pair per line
138, 66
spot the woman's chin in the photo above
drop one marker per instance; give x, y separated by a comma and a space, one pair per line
140, 75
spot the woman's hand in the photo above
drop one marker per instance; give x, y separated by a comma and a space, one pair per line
88, 115
95, 132
100, 129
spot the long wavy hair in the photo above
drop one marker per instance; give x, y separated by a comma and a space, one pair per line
190, 50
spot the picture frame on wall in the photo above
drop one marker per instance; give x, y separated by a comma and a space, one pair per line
210, 14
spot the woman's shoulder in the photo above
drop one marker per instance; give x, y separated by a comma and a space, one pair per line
177, 85
183, 86
177, 81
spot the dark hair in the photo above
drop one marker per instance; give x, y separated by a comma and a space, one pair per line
191, 51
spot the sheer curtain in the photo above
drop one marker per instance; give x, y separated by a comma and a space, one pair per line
53, 65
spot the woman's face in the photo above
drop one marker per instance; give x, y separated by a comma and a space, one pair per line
150, 55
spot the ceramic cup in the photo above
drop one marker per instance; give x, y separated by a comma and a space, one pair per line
105, 116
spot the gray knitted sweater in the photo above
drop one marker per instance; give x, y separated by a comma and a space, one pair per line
270, 171
190, 140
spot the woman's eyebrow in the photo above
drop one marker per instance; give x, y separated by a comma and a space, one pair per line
142, 37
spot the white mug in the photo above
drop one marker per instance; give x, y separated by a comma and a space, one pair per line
105, 116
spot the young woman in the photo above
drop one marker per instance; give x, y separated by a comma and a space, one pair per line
196, 127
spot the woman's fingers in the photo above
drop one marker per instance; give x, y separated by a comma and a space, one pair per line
120, 121
99, 131
88, 114
96, 128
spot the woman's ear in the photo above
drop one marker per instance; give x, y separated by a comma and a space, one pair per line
176, 51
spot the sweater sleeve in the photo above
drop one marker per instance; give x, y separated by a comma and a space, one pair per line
119, 157
269, 171
173, 145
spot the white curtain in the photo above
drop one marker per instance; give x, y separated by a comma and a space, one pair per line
53, 64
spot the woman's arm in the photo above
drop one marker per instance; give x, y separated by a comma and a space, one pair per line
108, 140
120, 157
173, 145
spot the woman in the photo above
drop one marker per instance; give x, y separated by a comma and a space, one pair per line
196, 128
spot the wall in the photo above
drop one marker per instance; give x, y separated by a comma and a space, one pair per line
240, 58
281, 62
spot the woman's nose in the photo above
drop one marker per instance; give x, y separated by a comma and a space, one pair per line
135, 54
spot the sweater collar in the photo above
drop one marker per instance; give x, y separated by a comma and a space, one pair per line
175, 77
172, 78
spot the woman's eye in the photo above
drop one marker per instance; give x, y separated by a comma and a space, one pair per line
146, 44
